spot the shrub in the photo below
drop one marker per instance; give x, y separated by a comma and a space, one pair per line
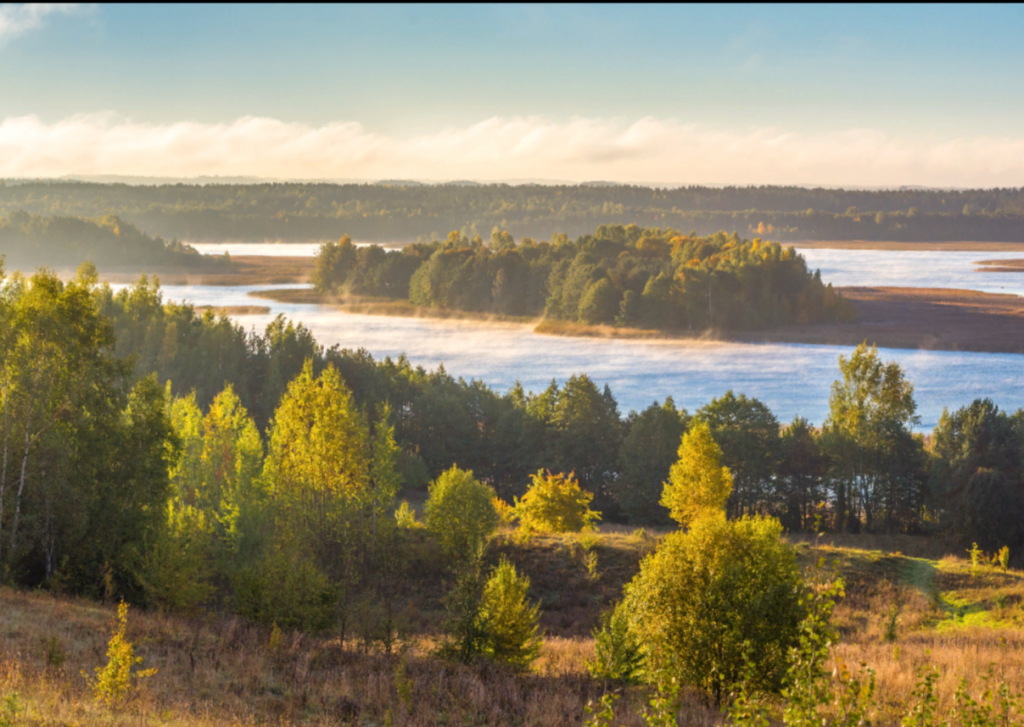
555, 504
288, 590
507, 620
698, 483
710, 596
1004, 557
616, 651
114, 681
177, 569
460, 513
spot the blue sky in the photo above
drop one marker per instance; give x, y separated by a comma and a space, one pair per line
910, 79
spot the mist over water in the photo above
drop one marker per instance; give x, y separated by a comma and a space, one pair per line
792, 379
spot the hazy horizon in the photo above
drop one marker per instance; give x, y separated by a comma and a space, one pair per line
834, 96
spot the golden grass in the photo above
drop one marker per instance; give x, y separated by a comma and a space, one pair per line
222, 670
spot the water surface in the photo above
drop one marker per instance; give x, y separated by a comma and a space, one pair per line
792, 379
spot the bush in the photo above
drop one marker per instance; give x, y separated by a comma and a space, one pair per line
507, 620
114, 681
287, 590
616, 651
460, 513
177, 569
555, 504
712, 595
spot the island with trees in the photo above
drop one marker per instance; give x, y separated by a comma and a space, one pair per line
628, 276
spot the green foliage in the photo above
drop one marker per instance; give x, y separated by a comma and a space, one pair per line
113, 682
10, 709
617, 653
698, 484
31, 241
554, 503
463, 631
748, 434
976, 475
507, 620
460, 513
177, 568
876, 462
712, 595
645, 458
286, 589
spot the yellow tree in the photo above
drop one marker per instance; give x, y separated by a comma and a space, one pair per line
317, 464
698, 484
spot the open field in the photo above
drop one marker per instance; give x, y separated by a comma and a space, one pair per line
222, 670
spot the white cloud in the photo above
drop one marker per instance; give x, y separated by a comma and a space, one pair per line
18, 18
647, 150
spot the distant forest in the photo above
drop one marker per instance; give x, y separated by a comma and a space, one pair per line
404, 212
27, 241
651, 277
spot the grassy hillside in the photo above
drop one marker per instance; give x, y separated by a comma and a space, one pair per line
215, 670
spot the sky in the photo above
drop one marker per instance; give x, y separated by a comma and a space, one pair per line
867, 95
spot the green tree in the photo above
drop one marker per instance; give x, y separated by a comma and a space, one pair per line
748, 434
711, 598
877, 464
460, 513
508, 621
976, 475
645, 458
698, 484
599, 303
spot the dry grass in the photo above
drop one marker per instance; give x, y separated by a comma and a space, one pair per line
222, 670
243, 270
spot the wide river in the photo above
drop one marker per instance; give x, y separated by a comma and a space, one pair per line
792, 379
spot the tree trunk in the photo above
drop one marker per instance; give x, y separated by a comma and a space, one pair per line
21, 489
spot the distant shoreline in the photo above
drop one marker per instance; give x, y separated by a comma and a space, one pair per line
963, 246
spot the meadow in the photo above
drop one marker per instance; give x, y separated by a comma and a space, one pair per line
216, 669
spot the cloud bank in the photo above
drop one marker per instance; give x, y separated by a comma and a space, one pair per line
18, 18
648, 150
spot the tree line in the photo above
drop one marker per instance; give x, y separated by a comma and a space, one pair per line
622, 275
114, 404
28, 240
402, 211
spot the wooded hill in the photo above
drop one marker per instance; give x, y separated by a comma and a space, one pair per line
405, 212
28, 241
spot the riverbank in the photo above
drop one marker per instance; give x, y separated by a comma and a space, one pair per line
242, 270
915, 318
